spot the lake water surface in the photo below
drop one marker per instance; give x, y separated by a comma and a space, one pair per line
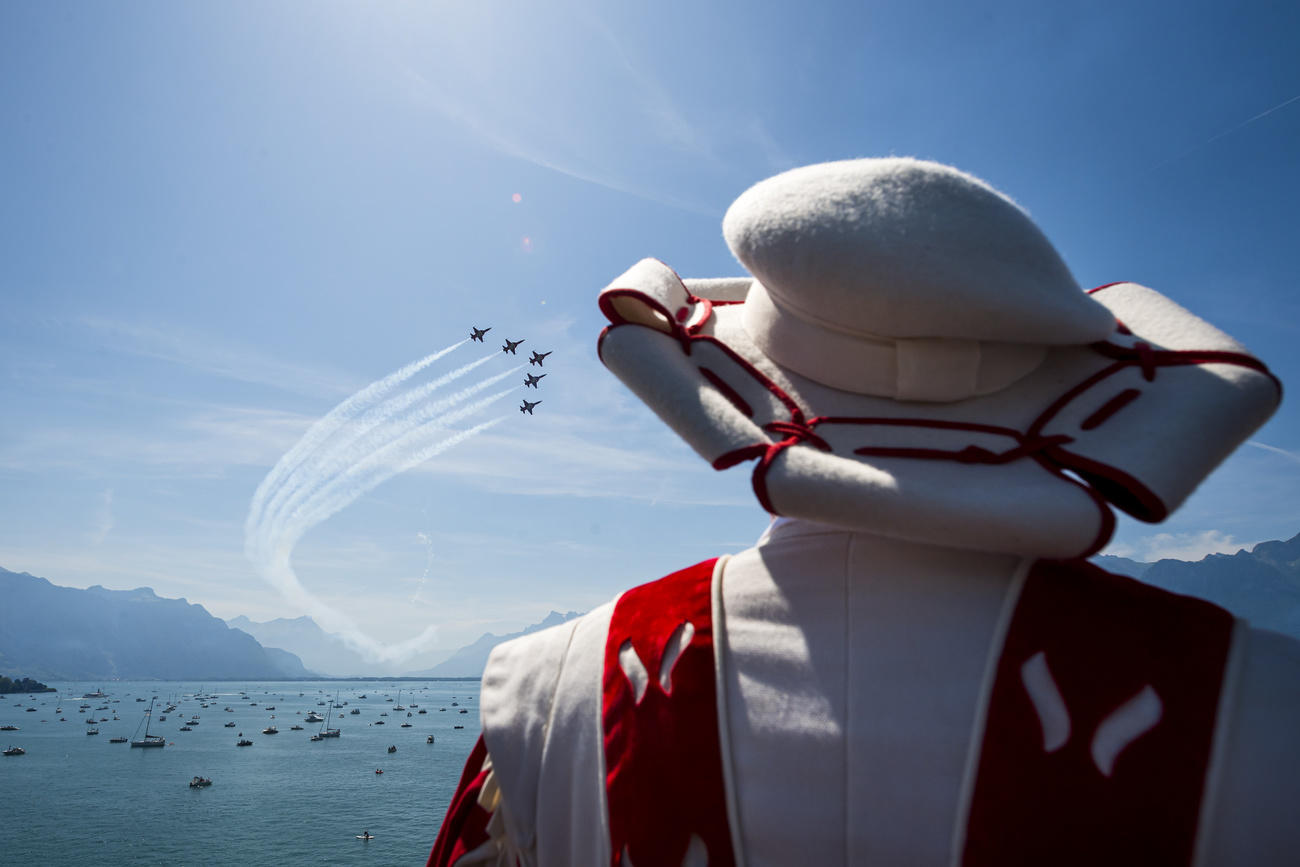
76, 798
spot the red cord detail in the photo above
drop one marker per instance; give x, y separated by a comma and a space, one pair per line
796, 433
973, 454
1048, 451
1112, 406
728, 392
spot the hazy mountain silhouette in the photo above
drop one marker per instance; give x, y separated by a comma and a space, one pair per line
322, 651
470, 660
1262, 584
62, 633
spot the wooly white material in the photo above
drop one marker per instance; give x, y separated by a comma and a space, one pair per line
908, 248
1183, 423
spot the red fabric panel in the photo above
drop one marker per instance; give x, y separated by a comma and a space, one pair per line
1104, 639
663, 757
465, 827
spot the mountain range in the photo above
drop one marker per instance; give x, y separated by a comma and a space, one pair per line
470, 660
61, 633
328, 654
1262, 584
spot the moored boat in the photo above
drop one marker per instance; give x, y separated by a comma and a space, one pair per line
149, 740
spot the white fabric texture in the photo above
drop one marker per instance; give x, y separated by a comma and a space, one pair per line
907, 248
918, 368
541, 703
852, 671
854, 667
1181, 424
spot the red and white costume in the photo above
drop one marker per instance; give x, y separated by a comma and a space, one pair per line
918, 666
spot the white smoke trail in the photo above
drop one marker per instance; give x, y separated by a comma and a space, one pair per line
271, 553
350, 438
361, 443
408, 450
335, 419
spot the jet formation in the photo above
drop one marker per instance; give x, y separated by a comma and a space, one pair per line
530, 380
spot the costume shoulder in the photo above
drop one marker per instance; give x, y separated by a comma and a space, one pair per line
541, 715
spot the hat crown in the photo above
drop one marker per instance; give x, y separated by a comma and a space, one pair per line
905, 248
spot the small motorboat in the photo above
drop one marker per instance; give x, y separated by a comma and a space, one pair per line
392, 748
379, 770
295, 728
200, 783
458, 727
186, 729
15, 751
406, 725
117, 740
244, 742
429, 739
230, 725
270, 730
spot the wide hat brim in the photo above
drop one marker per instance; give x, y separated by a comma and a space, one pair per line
1135, 421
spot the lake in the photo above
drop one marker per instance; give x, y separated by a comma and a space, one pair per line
76, 798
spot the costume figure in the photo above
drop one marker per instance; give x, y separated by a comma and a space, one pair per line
915, 664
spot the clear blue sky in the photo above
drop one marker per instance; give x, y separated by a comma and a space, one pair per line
221, 219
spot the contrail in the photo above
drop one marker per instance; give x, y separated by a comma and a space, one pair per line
409, 450
312, 469
1227, 132
1289, 455
271, 553
335, 419
361, 443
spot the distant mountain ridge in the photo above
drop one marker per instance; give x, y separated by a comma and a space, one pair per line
322, 651
63, 633
470, 660
326, 652
1262, 584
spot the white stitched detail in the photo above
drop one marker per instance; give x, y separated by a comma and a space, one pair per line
1128, 722
634, 668
679, 641
1053, 715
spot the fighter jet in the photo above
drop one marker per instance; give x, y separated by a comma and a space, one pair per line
477, 333
528, 407
538, 356
510, 345
530, 380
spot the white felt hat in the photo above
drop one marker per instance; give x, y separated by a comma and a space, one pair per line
912, 357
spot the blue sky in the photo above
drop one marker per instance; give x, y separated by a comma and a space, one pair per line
221, 219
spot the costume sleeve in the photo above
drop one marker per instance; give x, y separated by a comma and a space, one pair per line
464, 838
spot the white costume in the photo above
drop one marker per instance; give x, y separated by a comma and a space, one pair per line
916, 666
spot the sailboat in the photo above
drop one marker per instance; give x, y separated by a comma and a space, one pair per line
149, 740
398, 706
325, 730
